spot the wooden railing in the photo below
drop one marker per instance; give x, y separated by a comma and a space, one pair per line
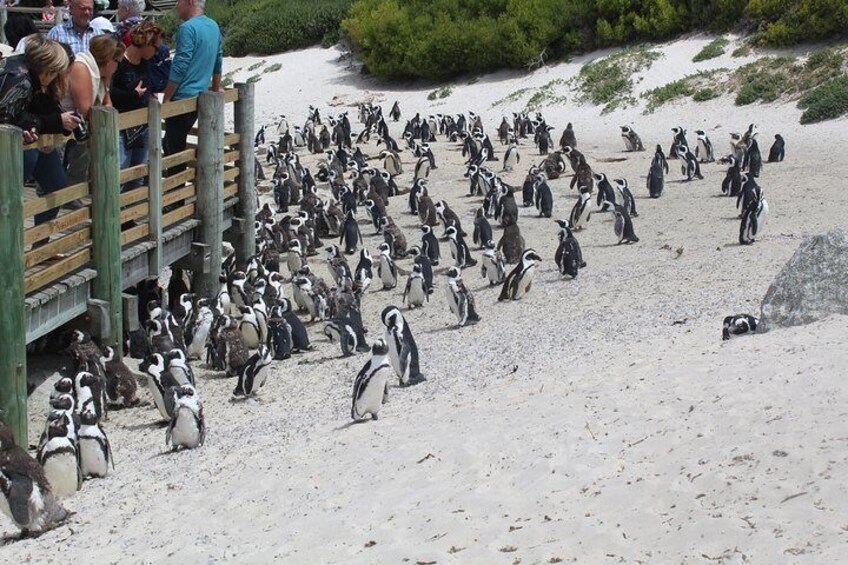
110, 226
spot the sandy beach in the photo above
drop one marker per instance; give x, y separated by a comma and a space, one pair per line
597, 420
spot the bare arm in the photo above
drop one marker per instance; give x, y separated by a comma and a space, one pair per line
216, 83
169, 91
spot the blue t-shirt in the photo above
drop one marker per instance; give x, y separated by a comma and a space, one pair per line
199, 55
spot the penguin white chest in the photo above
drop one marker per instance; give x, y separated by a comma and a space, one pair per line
526, 282
371, 399
62, 472
416, 295
185, 432
93, 461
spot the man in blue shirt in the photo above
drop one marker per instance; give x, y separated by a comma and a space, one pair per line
77, 32
196, 67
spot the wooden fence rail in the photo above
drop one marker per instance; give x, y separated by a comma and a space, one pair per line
87, 257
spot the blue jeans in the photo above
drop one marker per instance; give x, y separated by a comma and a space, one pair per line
47, 170
132, 156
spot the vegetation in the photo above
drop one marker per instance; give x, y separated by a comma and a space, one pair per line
826, 102
785, 23
609, 81
266, 27
742, 51
545, 96
272, 68
712, 50
439, 93
769, 78
698, 86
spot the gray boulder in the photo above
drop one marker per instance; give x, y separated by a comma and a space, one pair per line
812, 285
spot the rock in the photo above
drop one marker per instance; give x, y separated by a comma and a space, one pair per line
812, 285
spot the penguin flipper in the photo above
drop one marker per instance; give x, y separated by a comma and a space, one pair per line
20, 490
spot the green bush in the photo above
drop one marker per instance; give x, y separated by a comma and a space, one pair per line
785, 23
704, 94
609, 81
712, 50
828, 101
443, 92
266, 27
656, 97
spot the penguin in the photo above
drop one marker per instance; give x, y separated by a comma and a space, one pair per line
279, 338
89, 393
753, 218
394, 237
529, 186
690, 167
337, 264
459, 249
121, 386
511, 157
492, 264
448, 217
569, 256
95, 453
732, 183
482, 229
403, 351
249, 327
430, 245
738, 325
371, 386
511, 244
394, 113
363, 274
159, 382
748, 193
59, 458
581, 212
507, 209
625, 197
422, 168
386, 268
415, 292
460, 299
753, 162
251, 377
351, 236
520, 279
348, 332
418, 188
632, 141
423, 261
623, 226
25, 493
198, 332
568, 139
606, 193
678, 141
298, 334
544, 200
704, 149
187, 429
178, 367
657, 172
777, 150
427, 210
232, 347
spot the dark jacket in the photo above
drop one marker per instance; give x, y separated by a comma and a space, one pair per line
124, 81
22, 103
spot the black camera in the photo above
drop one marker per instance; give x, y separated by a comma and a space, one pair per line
81, 132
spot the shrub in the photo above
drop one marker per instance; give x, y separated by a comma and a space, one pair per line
828, 101
712, 50
704, 94
439, 93
656, 97
270, 26
787, 23
609, 81
742, 51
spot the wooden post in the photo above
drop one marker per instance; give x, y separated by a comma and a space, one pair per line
210, 188
246, 210
106, 223
3, 17
154, 183
13, 376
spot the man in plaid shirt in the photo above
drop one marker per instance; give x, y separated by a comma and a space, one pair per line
78, 31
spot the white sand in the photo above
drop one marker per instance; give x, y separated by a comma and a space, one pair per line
578, 423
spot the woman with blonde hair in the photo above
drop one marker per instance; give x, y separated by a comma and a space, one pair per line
131, 91
31, 86
91, 74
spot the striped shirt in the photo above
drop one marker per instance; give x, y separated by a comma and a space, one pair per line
67, 33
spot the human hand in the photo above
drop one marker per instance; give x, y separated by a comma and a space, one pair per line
70, 121
140, 90
30, 136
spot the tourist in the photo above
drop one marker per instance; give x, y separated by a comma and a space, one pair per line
130, 91
196, 67
159, 66
77, 32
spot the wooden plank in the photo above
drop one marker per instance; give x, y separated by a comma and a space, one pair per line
231, 156
169, 183
179, 108
245, 125
134, 196
13, 375
58, 225
48, 140
231, 95
133, 173
61, 245
55, 199
184, 156
177, 215
134, 212
106, 218
132, 119
231, 139
210, 197
231, 173
58, 270
134, 234
154, 114
230, 190
177, 195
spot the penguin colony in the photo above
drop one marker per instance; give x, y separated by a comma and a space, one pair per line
260, 314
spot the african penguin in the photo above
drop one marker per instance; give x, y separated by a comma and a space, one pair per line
59, 458
656, 174
460, 299
251, 378
777, 150
582, 211
403, 351
520, 279
459, 249
623, 226
569, 256
739, 325
690, 167
632, 142
95, 453
493, 264
371, 386
482, 229
415, 293
187, 428
704, 149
